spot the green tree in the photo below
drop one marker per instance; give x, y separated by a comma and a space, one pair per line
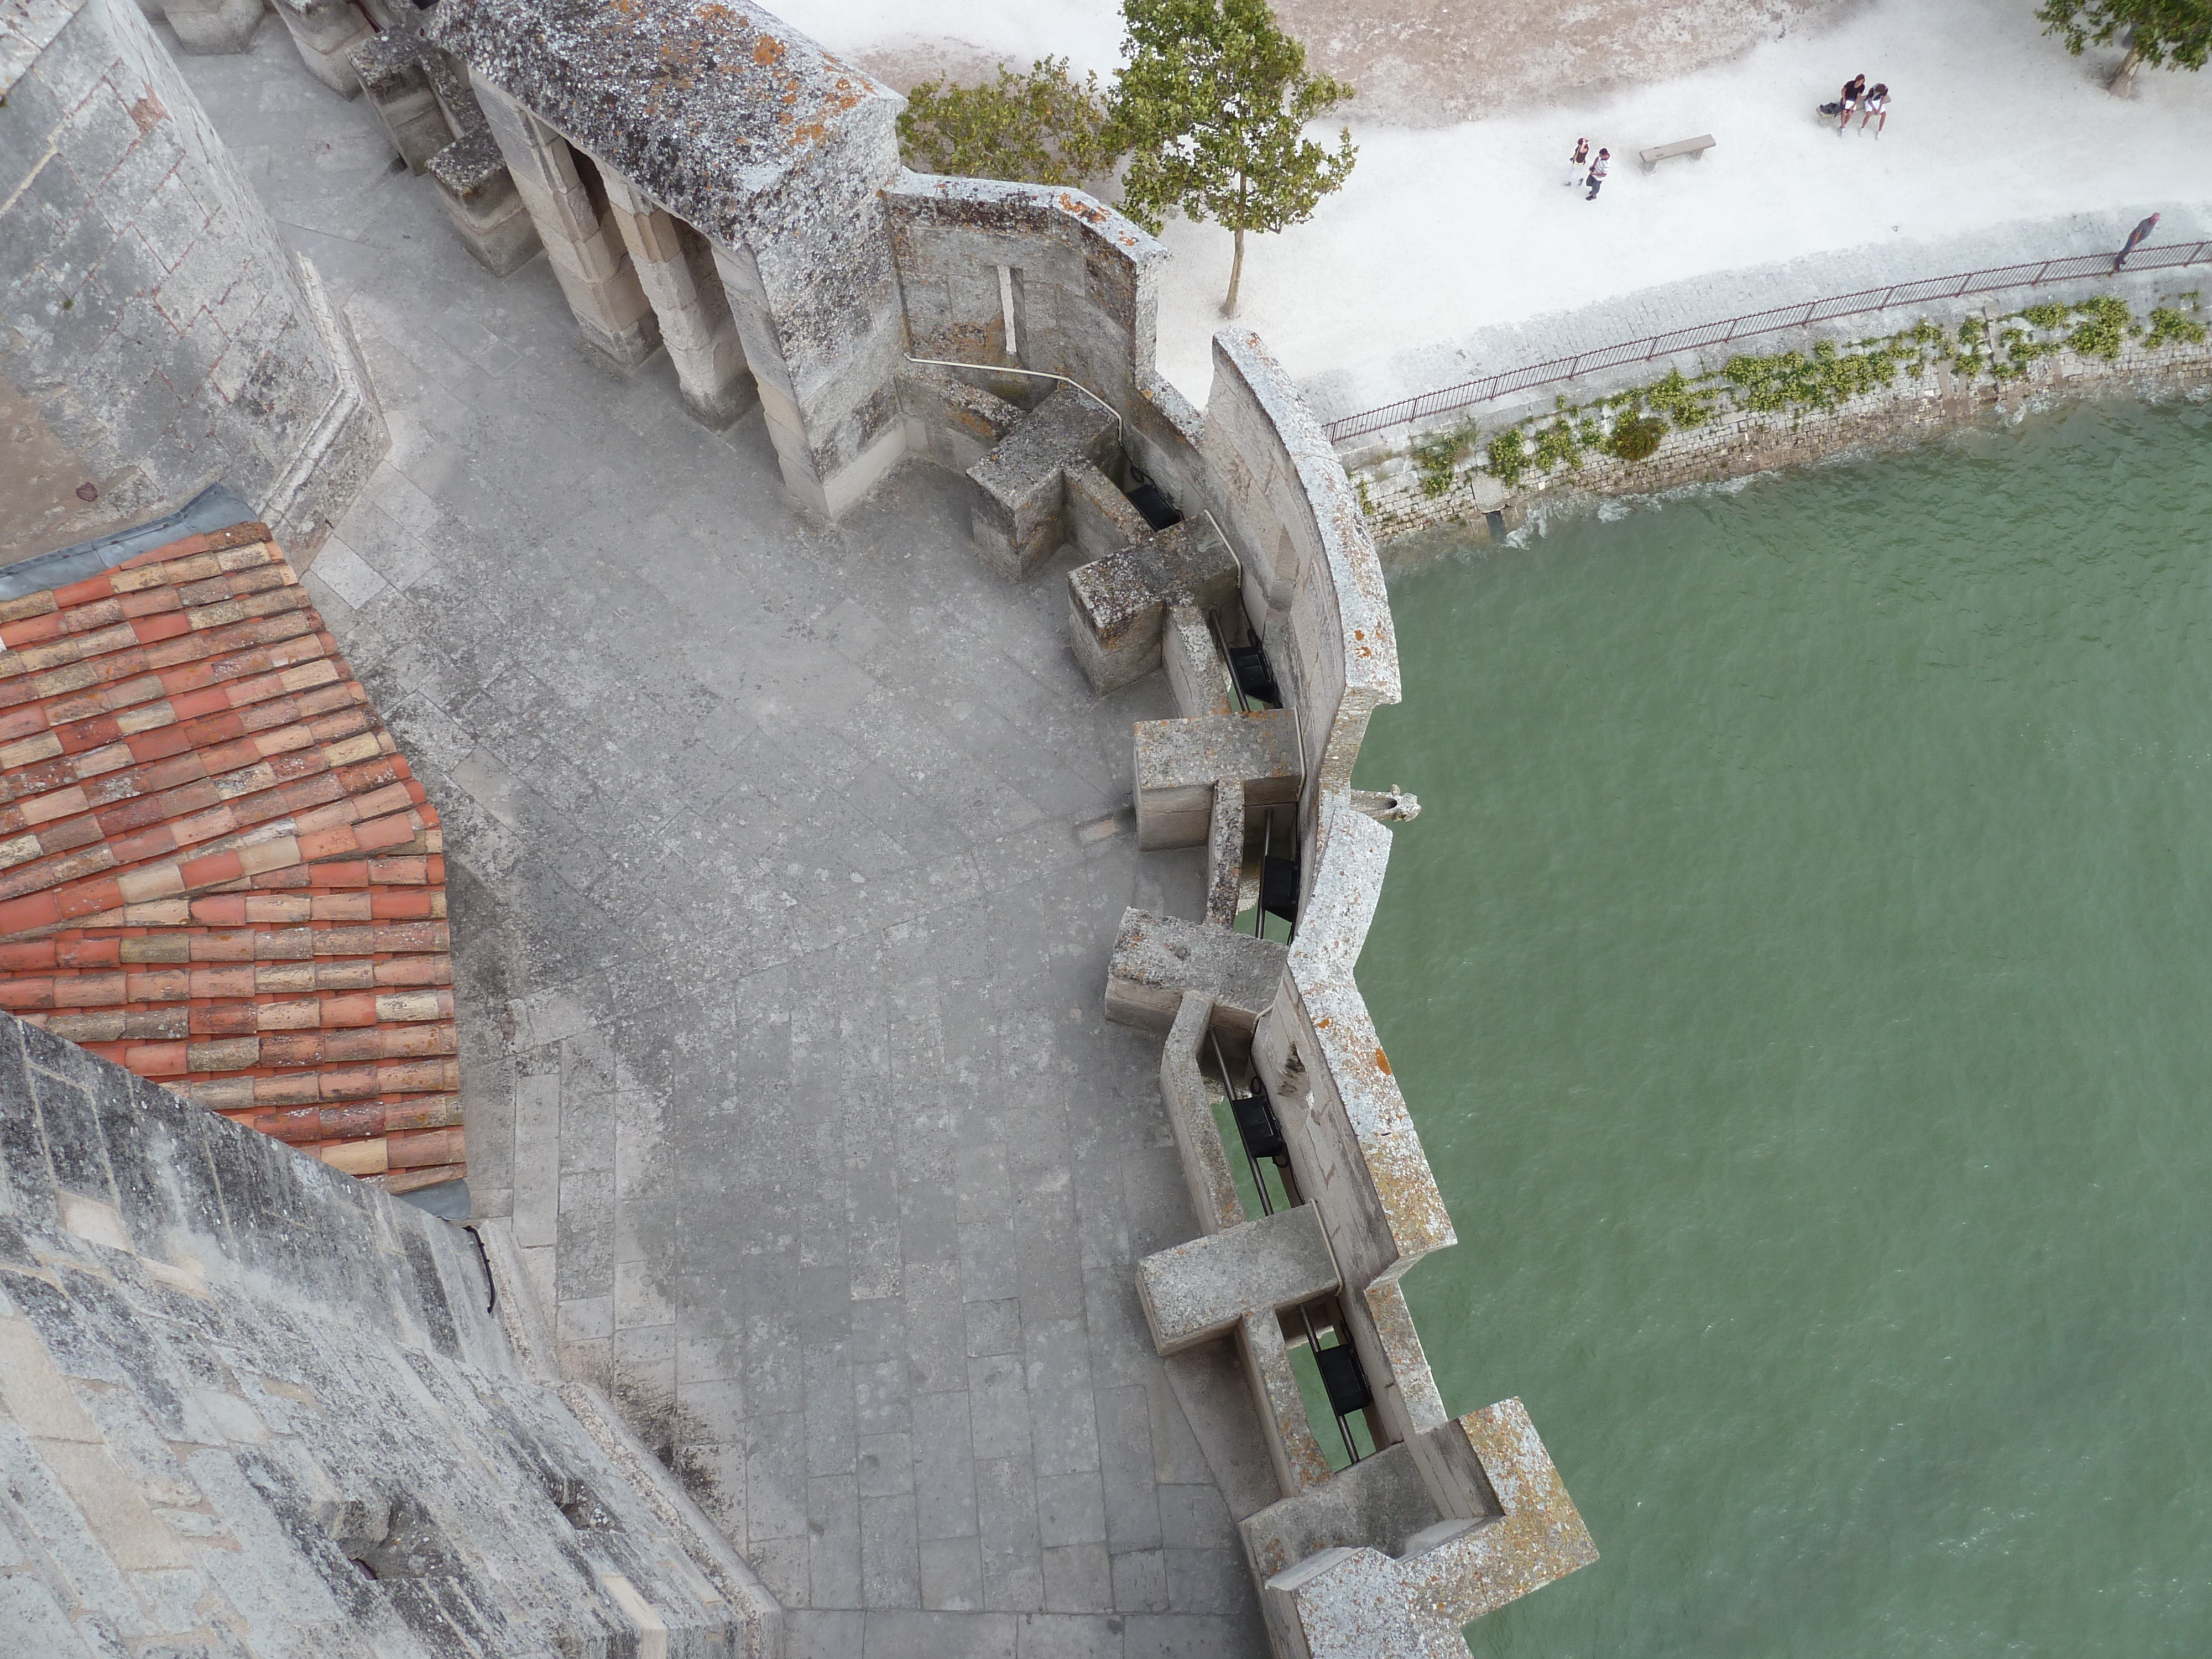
2158, 31
1043, 128
1213, 103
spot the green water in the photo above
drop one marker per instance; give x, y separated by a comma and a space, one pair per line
1802, 977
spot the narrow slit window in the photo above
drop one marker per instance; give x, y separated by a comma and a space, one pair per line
1006, 310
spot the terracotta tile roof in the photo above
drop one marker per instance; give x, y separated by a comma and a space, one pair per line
215, 867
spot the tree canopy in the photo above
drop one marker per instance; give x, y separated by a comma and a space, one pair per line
2157, 32
1045, 127
1213, 103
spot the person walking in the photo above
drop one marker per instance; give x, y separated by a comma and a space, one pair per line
1854, 89
2136, 239
1578, 163
1877, 102
1599, 169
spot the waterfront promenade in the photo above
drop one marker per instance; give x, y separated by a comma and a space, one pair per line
784, 861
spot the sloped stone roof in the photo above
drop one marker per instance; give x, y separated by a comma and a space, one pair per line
216, 868
709, 106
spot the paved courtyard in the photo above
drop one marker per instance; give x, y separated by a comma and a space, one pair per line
784, 862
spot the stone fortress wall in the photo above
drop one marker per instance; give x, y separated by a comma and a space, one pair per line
249, 1405
757, 223
160, 336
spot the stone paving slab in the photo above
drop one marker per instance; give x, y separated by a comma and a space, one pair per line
784, 862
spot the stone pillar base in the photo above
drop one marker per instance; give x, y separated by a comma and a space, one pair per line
213, 26
328, 470
326, 34
481, 201
717, 409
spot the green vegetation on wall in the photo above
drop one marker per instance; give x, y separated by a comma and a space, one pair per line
1631, 425
1436, 455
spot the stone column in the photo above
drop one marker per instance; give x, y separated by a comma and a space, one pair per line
695, 325
325, 32
587, 254
817, 474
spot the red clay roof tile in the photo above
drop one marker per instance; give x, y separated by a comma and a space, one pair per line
215, 865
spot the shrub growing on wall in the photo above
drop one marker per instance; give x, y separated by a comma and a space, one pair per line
1505, 458
1637, 438
1042, 128
1437, 456
2168, 324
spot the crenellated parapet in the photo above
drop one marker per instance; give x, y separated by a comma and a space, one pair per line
707, 180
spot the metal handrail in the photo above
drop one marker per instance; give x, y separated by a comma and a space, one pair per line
1445, 399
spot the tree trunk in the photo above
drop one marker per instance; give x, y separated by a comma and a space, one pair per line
1236, 265
2123, 83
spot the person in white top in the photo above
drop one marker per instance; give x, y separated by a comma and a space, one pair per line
1599, 169
1578, 163
1876, 103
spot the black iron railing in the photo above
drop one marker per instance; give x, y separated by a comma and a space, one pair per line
1467, 393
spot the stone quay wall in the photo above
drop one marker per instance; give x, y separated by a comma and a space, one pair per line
157, 337
251, 1405
2025, 349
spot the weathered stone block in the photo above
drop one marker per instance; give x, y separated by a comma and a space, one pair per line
953, 423
1179, 762
1018, 492
1346, 1602
1196, 669
1101, 519
326, 31
1157, 959
1188, 1096
1202, 1289
1117, 606
481, 199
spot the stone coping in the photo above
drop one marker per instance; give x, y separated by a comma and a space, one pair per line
708, 107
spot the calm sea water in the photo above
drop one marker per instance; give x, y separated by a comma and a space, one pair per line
1802, 977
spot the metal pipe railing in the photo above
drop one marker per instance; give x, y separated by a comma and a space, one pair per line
1467, 393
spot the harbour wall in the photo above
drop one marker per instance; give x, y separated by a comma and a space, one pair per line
1929, 370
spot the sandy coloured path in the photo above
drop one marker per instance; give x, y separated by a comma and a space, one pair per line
1455, 250
1415, 62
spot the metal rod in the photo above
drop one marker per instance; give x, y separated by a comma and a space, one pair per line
1221, 644
1267, 846
1259, 1180
1313, 1343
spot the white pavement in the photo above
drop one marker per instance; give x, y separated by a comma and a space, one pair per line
1445, 233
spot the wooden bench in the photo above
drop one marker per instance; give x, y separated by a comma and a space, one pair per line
1695, 149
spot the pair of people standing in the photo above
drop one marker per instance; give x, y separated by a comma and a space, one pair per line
1583, 168
1866, 103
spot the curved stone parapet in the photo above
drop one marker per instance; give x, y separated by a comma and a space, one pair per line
1446, 1518
1310, 571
